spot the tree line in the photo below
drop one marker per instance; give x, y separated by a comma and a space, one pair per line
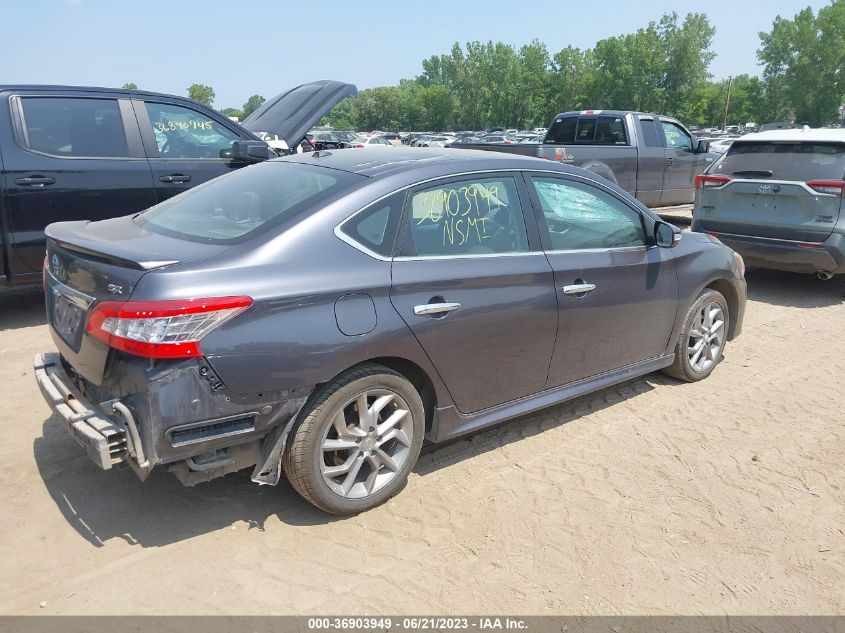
663, 67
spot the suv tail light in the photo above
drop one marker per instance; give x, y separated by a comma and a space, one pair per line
705, 181
833, 187
162, 329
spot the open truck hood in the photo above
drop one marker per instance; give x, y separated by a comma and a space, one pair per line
291, 114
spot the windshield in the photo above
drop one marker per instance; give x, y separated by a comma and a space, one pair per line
782, 160
231, 208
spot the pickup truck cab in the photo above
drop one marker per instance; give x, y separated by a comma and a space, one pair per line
81, 153
653, 157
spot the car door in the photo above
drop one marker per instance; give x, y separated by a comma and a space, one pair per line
651, 160
475, 289
617, 296
183, 145
681, 161
76, 156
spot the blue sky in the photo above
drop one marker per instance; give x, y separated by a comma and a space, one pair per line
265, 46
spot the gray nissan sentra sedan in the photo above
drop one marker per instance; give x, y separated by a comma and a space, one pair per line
325, 314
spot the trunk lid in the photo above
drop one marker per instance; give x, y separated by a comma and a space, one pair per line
291, 114
771, 209
88, 262
766, 193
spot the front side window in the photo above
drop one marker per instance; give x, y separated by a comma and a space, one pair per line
468, 217
185, 133
580, 216
74, 126
676, 138
245, 201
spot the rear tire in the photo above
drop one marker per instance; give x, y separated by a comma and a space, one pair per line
345, 462
701, 344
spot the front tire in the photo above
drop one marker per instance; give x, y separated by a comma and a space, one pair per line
356, 441
701, 344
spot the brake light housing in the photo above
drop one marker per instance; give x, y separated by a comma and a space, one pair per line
832, 187
162, 329
710, 181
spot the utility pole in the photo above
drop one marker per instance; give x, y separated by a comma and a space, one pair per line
727, 103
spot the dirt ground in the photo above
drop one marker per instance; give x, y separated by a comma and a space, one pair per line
652, 497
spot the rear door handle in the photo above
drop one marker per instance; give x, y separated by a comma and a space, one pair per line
578, 289
670, 161
175, 178
435, 308
35, 181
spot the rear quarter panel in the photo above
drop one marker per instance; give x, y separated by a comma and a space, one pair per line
290, 336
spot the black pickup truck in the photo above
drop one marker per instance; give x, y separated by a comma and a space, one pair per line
651, 156
74, 153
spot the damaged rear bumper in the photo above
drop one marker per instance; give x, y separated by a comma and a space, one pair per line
106, 442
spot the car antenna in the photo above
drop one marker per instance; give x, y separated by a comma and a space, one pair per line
320, 154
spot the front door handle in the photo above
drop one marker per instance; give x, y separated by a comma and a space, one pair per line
578, 289
175, 178
35, 181
435, 308
670, 161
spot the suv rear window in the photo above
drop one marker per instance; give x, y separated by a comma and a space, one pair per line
782, 160
245, 202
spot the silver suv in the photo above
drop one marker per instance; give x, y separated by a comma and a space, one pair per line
776, 198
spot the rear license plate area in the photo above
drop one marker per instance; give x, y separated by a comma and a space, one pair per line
66, 318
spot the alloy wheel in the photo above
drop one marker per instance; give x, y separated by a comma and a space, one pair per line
366, 444
707, 337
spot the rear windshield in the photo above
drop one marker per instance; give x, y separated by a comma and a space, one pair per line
246, 202
783, 160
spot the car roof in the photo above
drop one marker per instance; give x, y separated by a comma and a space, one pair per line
95, 89
388, 161
797, 134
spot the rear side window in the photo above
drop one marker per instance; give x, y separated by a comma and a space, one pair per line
376, 227
73, 126
563, 130
468, 217
783, 160
245, 202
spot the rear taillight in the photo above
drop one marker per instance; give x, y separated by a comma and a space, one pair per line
833, 187
706, 181
162, 329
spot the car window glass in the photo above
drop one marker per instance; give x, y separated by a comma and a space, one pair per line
245, 201
563, 130
676, 138
580, 216
586, 130
185, 133
610, 130
74, 127
376, 227
785, 161
650, 137
467, 217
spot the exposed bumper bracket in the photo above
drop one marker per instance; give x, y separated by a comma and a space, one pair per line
103, 440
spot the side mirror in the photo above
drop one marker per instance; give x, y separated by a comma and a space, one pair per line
702, 147
666, 235
247, 151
